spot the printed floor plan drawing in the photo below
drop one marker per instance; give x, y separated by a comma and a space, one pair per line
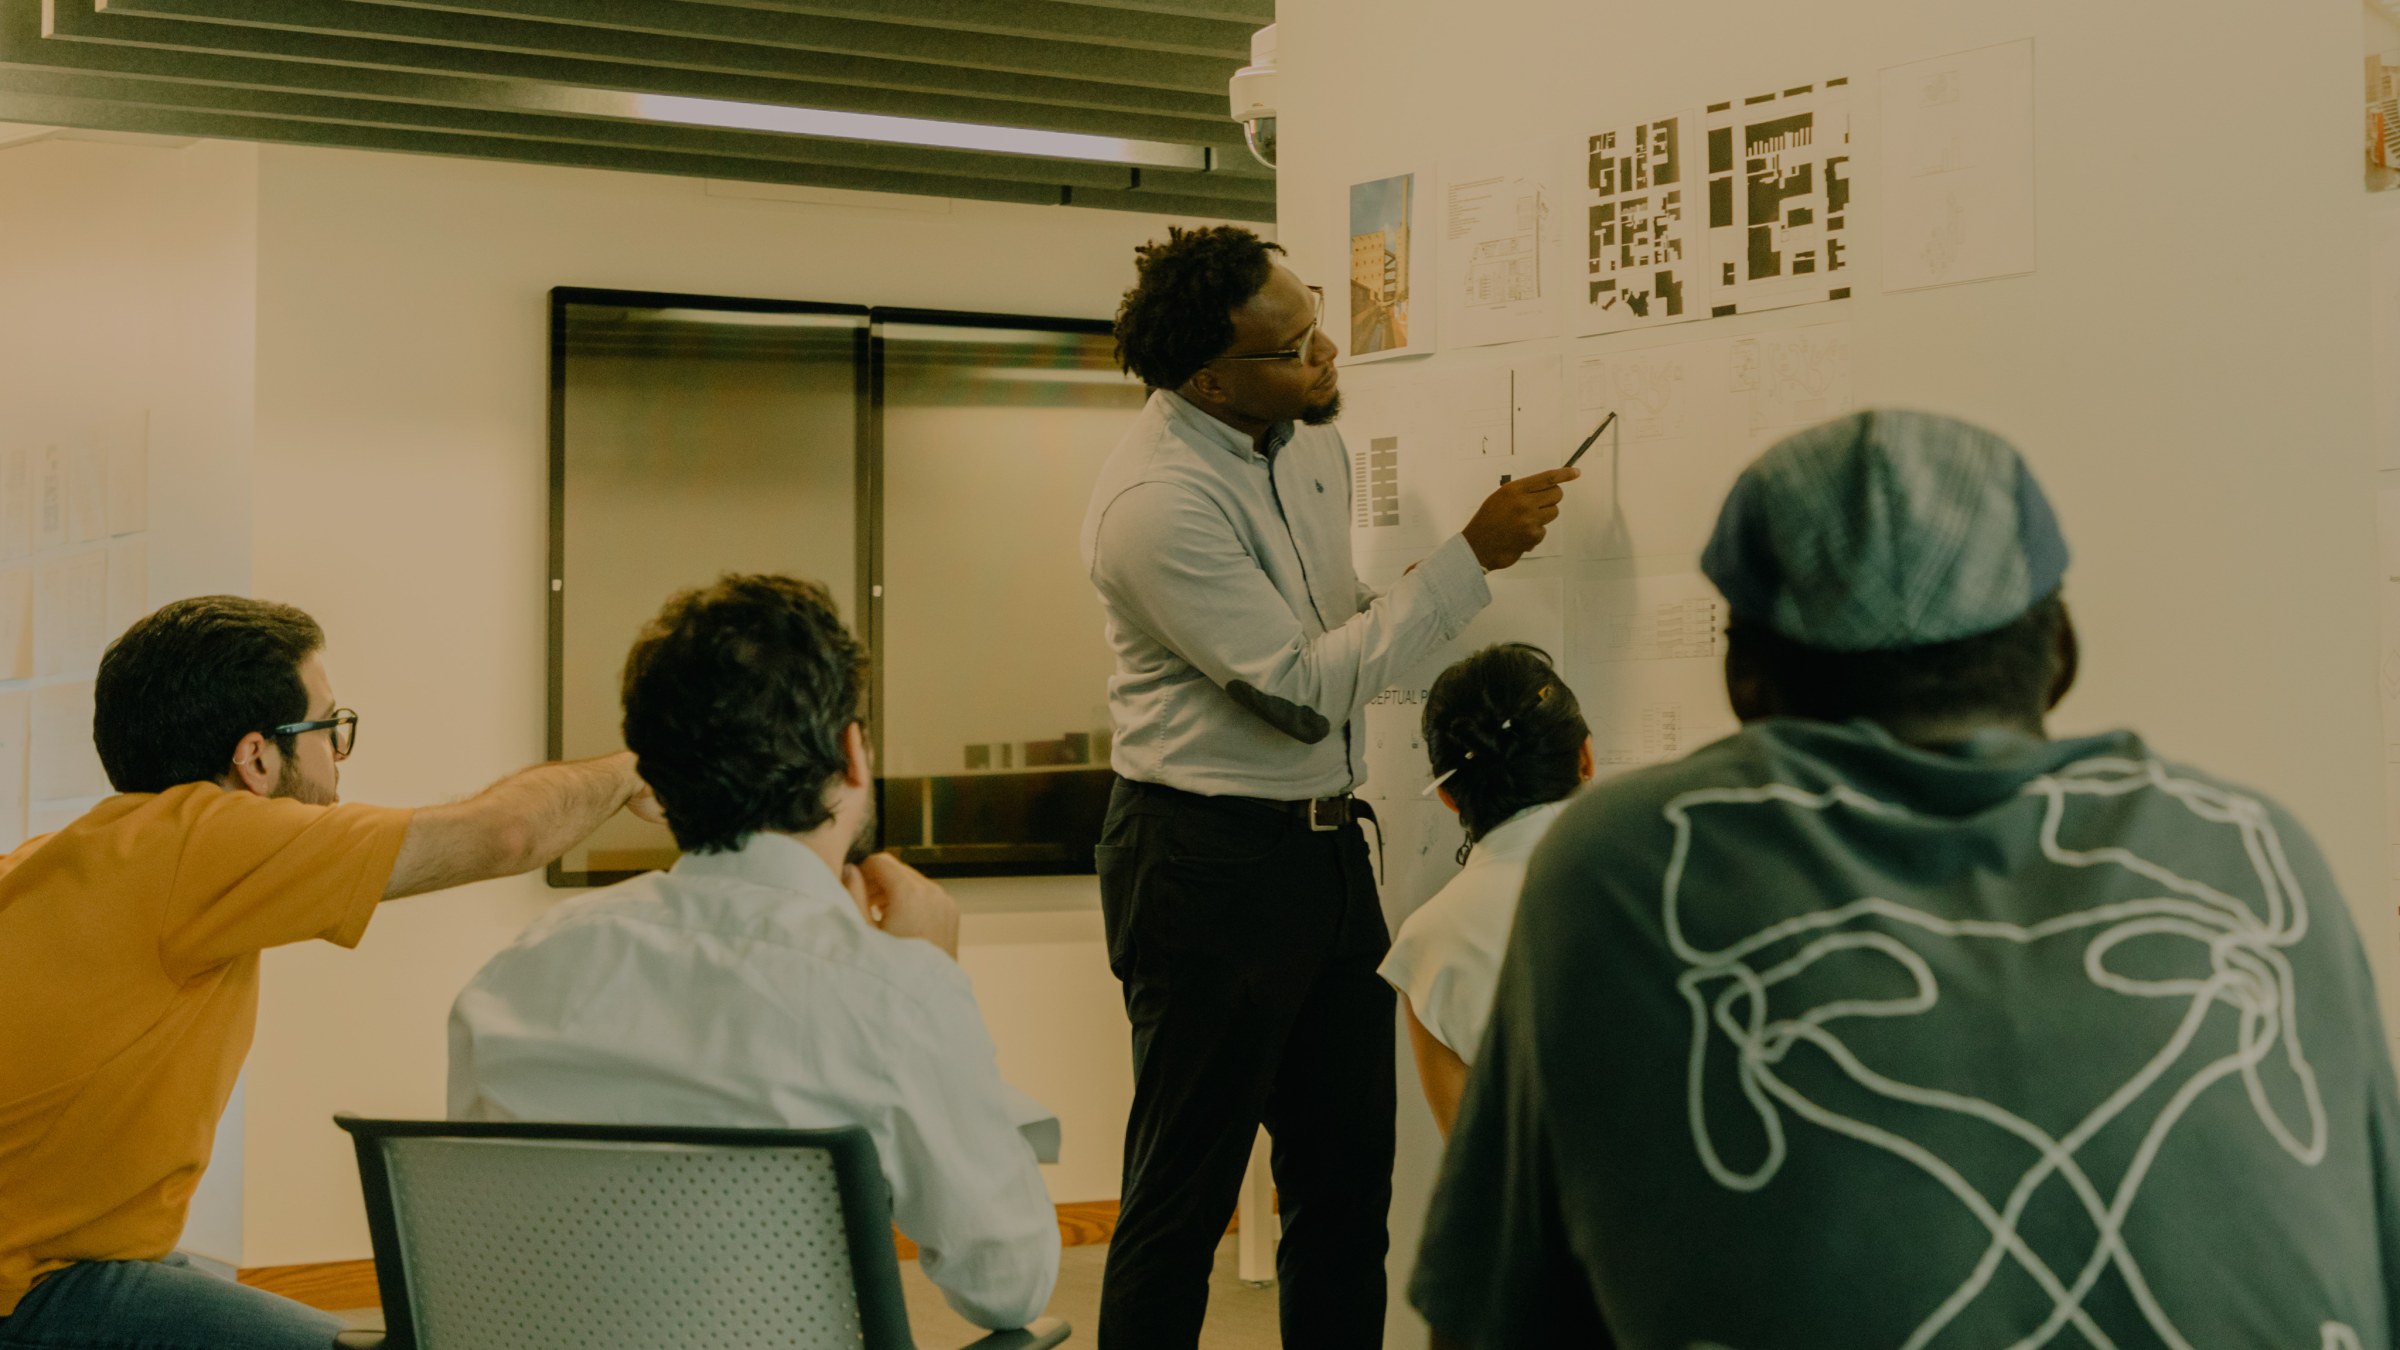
1779, 198
1641, 232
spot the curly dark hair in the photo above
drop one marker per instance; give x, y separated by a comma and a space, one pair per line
2009, 671
1511, 728
179, 690
736, 698
1179, 315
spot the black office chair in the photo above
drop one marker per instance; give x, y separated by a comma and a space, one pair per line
592, 1237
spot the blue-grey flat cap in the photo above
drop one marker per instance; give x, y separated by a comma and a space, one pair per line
1886, 529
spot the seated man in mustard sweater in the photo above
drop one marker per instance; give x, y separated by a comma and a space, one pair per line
129, 946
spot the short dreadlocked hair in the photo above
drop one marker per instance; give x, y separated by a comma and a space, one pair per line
1179, 314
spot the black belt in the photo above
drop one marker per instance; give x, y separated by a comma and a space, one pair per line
1321, 814
1324, 813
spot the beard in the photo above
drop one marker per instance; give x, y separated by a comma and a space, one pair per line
1320, 414
290, 783
862, 844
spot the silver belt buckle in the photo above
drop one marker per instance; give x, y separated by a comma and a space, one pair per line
1328, 813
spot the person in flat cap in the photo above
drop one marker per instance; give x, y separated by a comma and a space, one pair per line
1890, 1020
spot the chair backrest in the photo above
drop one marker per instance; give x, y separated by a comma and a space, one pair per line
588, 1237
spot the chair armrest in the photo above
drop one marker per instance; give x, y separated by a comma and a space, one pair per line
1041, 1334
359, 1340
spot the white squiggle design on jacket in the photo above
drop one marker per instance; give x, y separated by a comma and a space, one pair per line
2248, 972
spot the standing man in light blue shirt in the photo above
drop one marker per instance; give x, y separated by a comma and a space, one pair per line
1241, 907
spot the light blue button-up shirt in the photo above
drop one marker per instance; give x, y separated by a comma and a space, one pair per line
1245, 642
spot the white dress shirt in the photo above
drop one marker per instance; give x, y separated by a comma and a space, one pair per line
1245, 642
745, 989
1446, 960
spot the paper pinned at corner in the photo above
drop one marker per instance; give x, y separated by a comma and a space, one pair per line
1388, 309
1499, 250
1389, 434
1523, 609
65, 764
1957, 185
70, 613
1798, 377
1779, 191
1656, 618
1693, 414
1642, 219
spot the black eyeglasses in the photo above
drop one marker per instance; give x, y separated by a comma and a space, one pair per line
343, 724
1308, 340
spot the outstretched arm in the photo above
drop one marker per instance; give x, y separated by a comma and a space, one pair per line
517, 824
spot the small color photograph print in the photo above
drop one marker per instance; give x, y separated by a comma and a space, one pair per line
1382, 234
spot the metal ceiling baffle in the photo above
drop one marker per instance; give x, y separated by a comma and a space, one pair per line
1118, 104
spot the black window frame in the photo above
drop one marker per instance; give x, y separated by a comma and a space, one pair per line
867, 604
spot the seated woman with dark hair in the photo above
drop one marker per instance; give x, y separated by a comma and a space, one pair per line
1509, 747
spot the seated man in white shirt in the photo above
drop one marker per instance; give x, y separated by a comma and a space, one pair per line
1509, 747
767, 980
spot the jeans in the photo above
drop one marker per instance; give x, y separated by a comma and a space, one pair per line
1247, 944
159, 1305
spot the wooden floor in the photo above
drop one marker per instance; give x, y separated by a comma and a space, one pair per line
339, 1285
1240, 1316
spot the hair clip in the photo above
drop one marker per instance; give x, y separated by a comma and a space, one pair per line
1439, 779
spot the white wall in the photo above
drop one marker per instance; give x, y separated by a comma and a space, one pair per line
402, 498
2186, 371
127, 273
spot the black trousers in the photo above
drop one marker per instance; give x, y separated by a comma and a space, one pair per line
1247, 944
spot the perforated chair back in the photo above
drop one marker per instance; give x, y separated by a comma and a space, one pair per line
581, 1237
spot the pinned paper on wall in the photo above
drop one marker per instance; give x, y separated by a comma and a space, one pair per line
128, 583
129, 478
50, 498
16, 503
87, 494
1388, 271
1642, 226
1523, 609
1793, 378
70, 613
15, 705
16, 623
64, 762
1957, 186
1499, 244
1694, 413
1779, 204
1671, 697
1390, 440
1658, 618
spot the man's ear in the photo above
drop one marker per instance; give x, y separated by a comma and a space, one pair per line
1745, 684
2066, 654
858, 769
257, 766
1584, 765
1204, 388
